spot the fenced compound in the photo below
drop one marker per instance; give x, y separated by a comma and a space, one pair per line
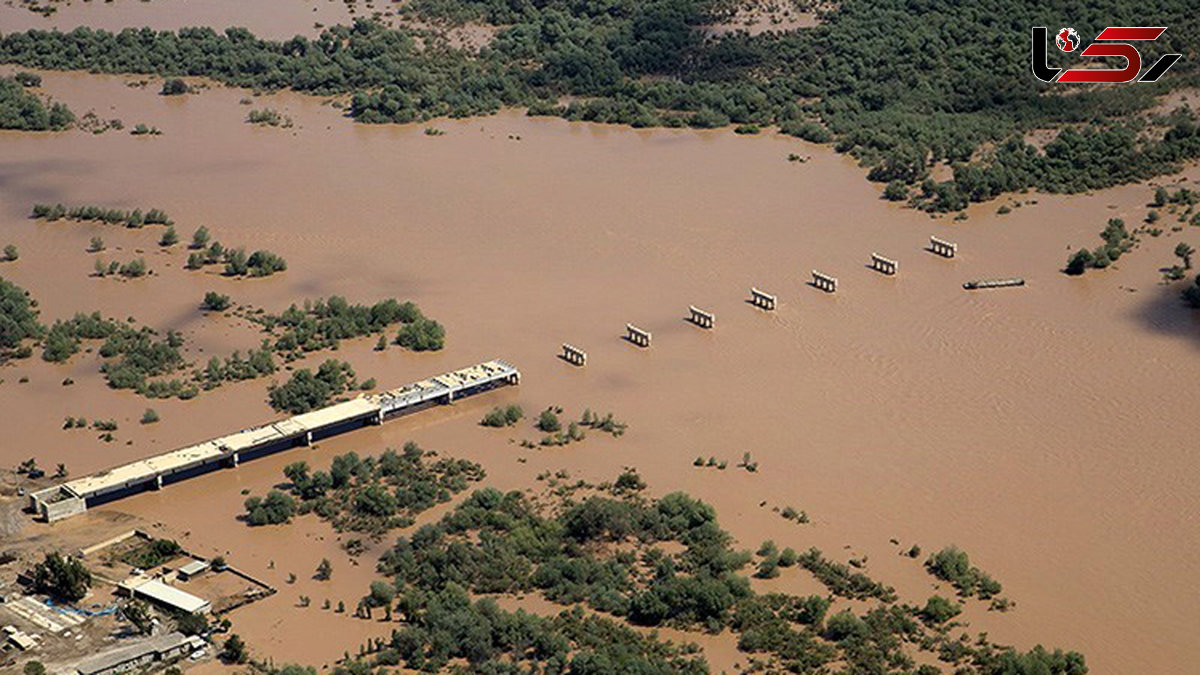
884, 265
824, 282
574, 355
637, 336
700, 317
942, 247
762, 300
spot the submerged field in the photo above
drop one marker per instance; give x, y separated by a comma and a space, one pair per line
1042, 429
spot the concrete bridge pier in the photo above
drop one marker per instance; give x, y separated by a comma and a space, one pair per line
574, 355
700, 317
884, 265
824, 282
942, 247
637, 336
761, 299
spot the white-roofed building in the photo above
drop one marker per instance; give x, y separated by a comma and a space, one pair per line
165, 595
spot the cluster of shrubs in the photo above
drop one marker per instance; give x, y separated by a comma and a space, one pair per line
422, 335
306, 390
503, 417
373, 495
953, 565
174, 87
843, 581
152, 553
23, 111
132, 356
132, 269
1191, 294
135, 218
261, 263
771, 559
1117, 241
711, 462
215, 302
1182, 196
274, 509
235, 368
269, 117
325, 323
205, 251
607, 553
18, 321
605, 423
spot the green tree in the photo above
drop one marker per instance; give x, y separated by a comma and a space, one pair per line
1185, 252
200, 238
215, 302
234, 650
63, 578
138, 614
422, 335
324, 570
169, 237
11, 253
1160, 197
278, 507
18, 317
1079, 262
174, 87
548, 421
939, 610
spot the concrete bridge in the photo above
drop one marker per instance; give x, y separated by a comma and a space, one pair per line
74, 497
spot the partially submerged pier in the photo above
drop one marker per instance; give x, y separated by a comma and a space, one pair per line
74, 497
979, 284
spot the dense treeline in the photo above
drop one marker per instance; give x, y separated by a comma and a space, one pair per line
24, 111
899, 83
134, 218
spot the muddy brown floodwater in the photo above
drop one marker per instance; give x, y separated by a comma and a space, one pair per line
273, 19
1045, 430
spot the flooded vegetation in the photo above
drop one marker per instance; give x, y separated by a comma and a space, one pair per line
651, 517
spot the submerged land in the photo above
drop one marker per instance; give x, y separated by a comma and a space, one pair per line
1041, 429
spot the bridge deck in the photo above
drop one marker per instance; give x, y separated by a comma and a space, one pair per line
372, 407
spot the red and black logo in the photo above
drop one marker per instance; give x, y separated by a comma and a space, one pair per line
1112, 41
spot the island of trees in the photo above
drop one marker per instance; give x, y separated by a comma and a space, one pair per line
24, 111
